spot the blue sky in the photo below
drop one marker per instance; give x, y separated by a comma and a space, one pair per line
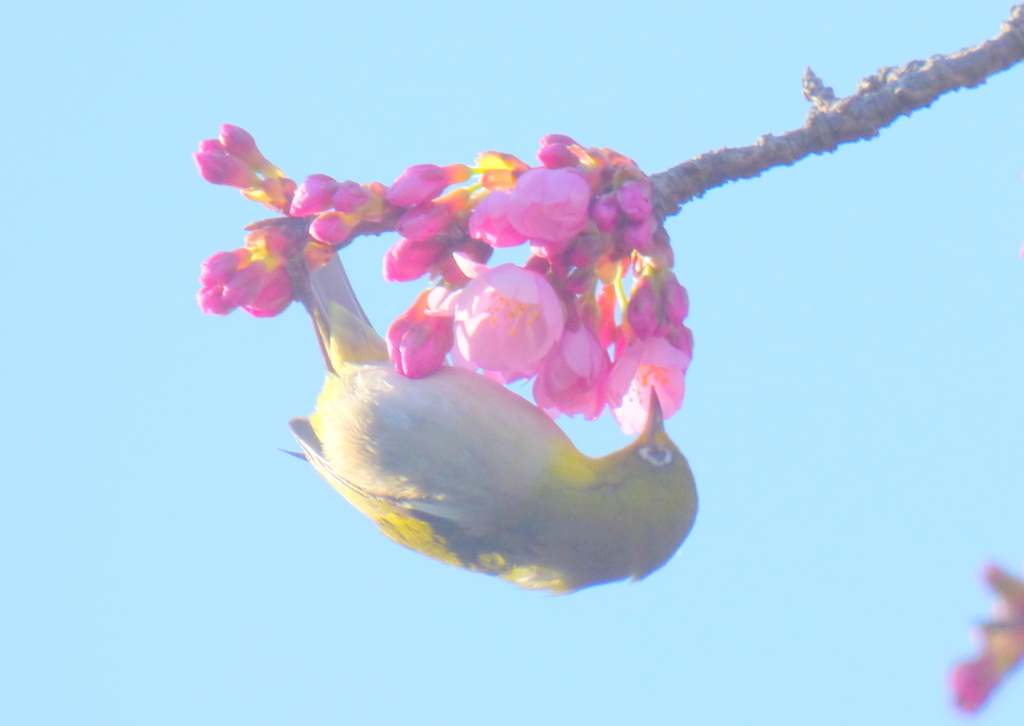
853, 413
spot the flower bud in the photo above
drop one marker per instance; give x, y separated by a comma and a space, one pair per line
274, 296
222, 168
488, 221
635, 199
417, 184
408, 259
313, 196
218, 268
351, 197
333, 227
418, 341
637, 235
239, 142
557, 139
424, 221
556, 156
244, 285
674, 300
642, 311
605, 212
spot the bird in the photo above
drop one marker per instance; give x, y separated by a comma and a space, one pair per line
463, 470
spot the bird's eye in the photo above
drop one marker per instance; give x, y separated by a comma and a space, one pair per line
655, 456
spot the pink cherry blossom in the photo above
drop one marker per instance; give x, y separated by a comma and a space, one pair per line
606, 212
638, 235
1001, 641
351, 197
549, 204
489, 221
507, 319
572, 376
646, 365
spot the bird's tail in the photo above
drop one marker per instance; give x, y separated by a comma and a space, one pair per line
342, 328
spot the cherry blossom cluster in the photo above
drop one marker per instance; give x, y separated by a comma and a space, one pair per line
1001, 642
563, 319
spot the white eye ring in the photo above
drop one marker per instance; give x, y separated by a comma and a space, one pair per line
655, 456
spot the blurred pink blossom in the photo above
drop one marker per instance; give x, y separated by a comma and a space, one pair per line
646, 365
549, 204
642, 311
1001, 642
507, 319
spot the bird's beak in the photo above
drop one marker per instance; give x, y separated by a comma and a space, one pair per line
655, 421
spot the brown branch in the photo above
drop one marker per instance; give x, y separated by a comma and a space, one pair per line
880, 99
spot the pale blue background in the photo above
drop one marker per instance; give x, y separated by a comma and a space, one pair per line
854, 416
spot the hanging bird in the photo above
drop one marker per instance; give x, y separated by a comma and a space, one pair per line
459, 468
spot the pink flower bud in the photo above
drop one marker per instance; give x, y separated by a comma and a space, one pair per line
351, 197
674, 300
218, 268
642, 311
274, 296
244, 285
313, 196
419, 341
549, 204
211, 146
635, 199
424, 221
332, 227
416, 185
239, 142
605, 212
557, 139
457, 173
221, 168
637, 235
408, 259
488, 221
211, 301
556, 156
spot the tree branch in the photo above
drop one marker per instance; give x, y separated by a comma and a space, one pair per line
879, 100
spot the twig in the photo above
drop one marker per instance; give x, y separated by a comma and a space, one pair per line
880, 99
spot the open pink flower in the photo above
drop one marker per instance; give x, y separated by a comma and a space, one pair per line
1002, 644
572, 376
507, 319
549, 204
646, 365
